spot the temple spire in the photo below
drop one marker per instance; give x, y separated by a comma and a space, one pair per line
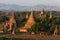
30, 21
12, 18
13, 15
42, 13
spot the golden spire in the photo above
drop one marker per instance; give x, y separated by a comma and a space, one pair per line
30, 21
13, 15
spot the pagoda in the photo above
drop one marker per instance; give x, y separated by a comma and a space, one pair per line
11, 24
42, 13
29, 22
27, 16
51, 16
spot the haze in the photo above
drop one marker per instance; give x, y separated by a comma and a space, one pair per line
32, 2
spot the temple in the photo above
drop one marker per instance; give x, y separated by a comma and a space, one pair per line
11, 23
29, 22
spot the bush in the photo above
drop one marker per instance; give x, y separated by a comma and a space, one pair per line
29, 31
36, 28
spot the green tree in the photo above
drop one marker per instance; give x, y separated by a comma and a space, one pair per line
51, 31
36, 28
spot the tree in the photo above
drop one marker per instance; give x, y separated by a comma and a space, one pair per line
24, 20
36, 28
2, 26
3, 18
51, 31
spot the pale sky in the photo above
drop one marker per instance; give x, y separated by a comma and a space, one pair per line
32, 2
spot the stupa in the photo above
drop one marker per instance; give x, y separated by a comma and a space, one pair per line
55, 31
12, 20
11, 24
42, 13
6, 24
27, 16
51, 16
29, 22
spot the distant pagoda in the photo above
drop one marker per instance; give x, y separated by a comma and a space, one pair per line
11, 23
27, 16
42, 13
51, 16
29, 23
12, 20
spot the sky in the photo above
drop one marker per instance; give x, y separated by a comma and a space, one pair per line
32, 2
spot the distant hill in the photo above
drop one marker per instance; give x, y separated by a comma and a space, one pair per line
15, 7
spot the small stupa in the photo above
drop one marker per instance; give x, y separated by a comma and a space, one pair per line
51, 16
29, 22
55, 31
27, 16
13, 32
6, 24
42, 13
6, 13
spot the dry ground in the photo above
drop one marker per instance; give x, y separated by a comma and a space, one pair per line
32, 37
